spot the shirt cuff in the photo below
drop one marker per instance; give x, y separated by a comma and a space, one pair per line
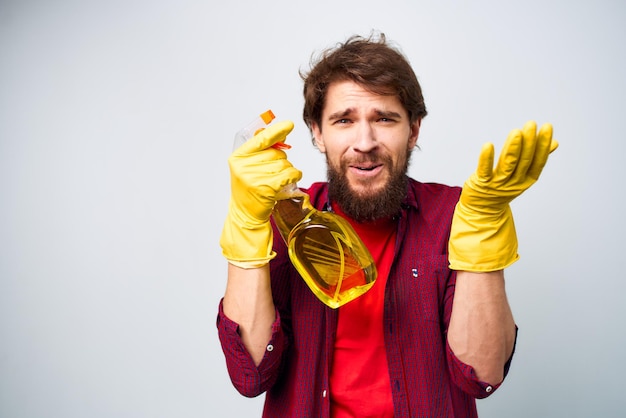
250, 380
464, 375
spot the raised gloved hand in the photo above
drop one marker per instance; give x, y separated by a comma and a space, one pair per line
483, 234
257, 173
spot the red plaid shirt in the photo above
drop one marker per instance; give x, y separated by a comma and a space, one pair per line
427, 380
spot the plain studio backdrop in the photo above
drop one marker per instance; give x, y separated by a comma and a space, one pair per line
116, 120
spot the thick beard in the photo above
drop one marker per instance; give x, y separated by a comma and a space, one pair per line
374, 205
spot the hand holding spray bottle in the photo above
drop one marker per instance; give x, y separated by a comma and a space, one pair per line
322, 246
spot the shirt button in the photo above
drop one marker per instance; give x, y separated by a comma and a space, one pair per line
270, 347
488, 389
324, 393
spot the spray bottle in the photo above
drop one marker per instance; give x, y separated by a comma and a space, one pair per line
322, 246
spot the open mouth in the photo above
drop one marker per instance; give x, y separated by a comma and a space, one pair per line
366, 167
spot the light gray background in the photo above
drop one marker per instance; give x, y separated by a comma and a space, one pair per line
116, 120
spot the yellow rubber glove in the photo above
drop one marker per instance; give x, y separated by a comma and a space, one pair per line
483, 234
257, 173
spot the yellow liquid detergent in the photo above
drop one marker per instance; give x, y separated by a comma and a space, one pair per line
323, 247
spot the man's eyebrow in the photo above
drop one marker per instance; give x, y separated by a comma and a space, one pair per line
341, 114
381, 113
388, 114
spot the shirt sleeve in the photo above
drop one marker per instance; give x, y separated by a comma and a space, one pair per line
464, 376
250, 380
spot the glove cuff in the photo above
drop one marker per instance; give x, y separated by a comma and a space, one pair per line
247, 247
479, 243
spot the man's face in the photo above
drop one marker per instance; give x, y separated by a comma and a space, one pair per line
367, 139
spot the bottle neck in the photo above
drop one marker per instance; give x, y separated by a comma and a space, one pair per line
291, 191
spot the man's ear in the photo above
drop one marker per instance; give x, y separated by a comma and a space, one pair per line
415, 132
317, 135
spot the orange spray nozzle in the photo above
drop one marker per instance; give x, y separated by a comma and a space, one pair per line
281, 145
267, 117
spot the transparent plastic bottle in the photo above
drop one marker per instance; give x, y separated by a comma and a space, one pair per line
254, 127
322, 246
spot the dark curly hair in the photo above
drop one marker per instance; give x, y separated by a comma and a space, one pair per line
371, 62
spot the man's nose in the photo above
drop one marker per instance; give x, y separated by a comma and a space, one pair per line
365, 140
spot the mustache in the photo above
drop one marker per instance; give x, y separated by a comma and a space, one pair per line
367, 159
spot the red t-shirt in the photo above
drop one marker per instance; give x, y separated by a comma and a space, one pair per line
359, 378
